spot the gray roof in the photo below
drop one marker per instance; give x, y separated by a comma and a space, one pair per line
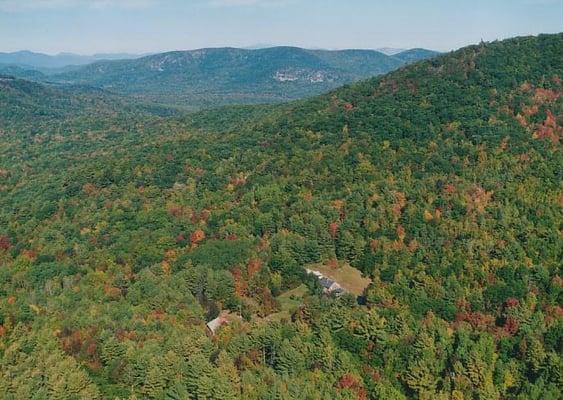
326, 282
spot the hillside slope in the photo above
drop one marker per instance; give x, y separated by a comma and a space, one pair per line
440, 181
226, 75
26, 103
21, 72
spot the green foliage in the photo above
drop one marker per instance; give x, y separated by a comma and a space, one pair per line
123, 233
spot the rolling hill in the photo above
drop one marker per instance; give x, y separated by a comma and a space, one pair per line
28, 73
22, 101
122, 236
413, 55
211, 77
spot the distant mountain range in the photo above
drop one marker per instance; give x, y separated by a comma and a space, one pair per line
45, 62
414, 55
210, 77
390, 51
219, 76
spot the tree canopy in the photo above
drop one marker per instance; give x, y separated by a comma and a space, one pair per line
125, 228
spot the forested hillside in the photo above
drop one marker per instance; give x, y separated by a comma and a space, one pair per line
34, 105
121, 236
209, 77
21, 72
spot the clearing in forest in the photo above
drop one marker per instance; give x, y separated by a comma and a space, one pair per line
345, 275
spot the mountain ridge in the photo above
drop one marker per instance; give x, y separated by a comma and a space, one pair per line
231, 75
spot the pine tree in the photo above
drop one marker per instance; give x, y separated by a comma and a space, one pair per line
154, 383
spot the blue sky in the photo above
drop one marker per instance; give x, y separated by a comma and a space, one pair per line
95, 26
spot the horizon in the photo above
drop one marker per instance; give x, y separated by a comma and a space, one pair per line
249, 48
142, 27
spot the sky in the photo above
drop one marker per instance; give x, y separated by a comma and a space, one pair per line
146, 26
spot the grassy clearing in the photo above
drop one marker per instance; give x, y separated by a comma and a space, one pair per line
348, 277
289, 302
292, 298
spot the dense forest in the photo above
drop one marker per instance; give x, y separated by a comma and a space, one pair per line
126, 228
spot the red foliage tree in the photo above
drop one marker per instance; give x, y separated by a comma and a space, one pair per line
512, 302
232, 237
203, 215
400, 232
5, 242
349, 381
400, 203
241, 288
449, 188
176, 211
197, 236
267, 301
549, 129
72, 342
254, 265
545, 95
333, 229
511, 326
476, 319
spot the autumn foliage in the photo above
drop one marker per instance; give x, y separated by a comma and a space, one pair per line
445, 201
349, 381
333, 229
5, 242
254, 265
197, 236
549, 129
